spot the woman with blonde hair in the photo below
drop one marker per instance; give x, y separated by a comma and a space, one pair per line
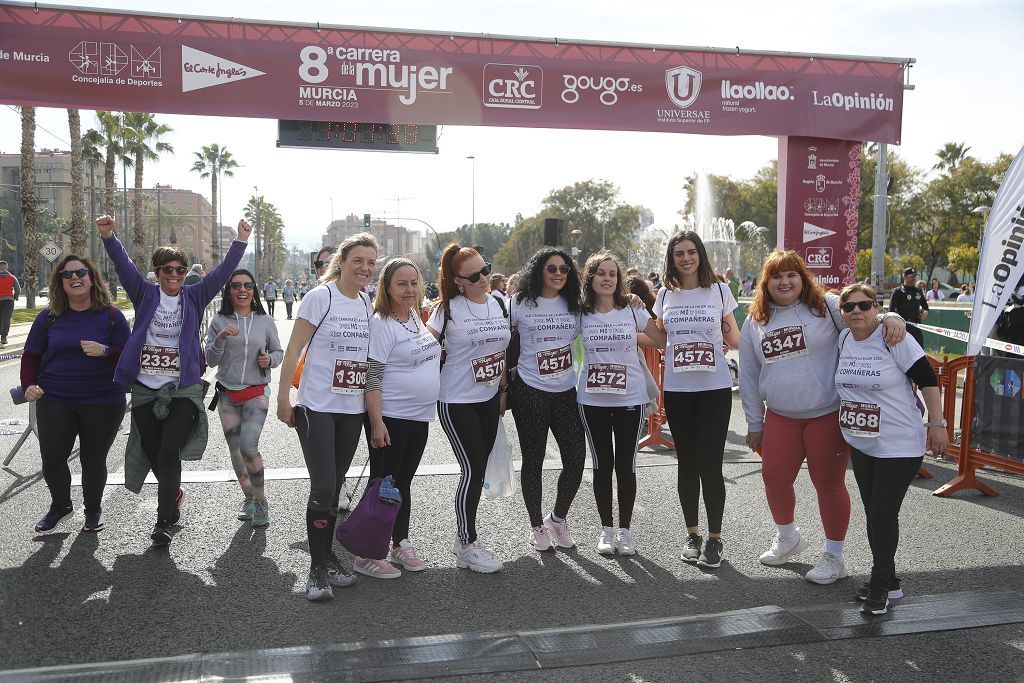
330, 410
788, 360
402, 386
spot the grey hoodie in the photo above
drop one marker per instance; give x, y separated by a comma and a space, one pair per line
235, 357
800, 388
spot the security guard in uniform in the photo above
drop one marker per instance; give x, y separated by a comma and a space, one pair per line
908, 300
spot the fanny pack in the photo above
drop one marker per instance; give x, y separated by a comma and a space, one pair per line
237, 396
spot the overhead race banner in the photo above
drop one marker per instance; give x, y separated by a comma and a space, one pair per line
66, 57
1001, 267
819, 196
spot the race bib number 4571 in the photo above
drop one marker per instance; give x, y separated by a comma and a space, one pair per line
606, 378
860, 419
554, 363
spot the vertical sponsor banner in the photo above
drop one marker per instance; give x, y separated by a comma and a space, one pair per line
819, 196
999, 407
1001, 266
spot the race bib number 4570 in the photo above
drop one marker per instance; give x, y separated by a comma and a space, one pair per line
606, 378
488, 369
860, 419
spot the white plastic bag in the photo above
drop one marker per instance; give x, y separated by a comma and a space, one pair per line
499, 477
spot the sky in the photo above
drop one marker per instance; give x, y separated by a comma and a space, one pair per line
967, 79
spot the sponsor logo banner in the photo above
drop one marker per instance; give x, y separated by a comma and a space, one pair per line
95, 59
819, 194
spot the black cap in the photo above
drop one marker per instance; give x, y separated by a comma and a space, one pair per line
909, 271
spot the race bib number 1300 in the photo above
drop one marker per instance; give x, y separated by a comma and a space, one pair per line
860, 419
349, 376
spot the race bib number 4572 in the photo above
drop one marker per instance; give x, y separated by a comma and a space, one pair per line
860, 419
606, 378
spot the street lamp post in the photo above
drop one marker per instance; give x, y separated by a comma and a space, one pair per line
473, 193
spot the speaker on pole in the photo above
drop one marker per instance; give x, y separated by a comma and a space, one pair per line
554, 231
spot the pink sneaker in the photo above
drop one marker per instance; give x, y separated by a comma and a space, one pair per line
540, 539
559, 532
405, 555
378, 569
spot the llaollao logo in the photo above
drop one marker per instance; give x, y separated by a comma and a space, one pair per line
683, 85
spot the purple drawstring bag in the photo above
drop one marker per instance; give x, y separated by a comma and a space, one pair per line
366, 532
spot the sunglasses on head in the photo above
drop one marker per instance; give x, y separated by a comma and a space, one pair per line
862, 305
485, 271
239, 285
167, 270
80, 272
552, 268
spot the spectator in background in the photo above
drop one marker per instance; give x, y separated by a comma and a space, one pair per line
112, 286
498, 287
733, 282
512, 284
935, 294
632, 271
151, 277
968, 293
747, 288
909, 301
655, 281
197, 273
270, 295
288, 296
637, 285
10, 290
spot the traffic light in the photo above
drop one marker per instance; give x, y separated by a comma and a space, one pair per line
366, 220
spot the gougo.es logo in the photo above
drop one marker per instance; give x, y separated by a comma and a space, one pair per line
608, 86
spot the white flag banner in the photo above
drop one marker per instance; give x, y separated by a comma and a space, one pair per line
1002, 255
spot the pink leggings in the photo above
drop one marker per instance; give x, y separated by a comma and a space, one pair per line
787, 442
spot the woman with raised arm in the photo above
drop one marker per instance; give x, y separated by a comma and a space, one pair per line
162, 366
695, 309
474, 330
242, 343
612, 392
881, 420
333, 325
68, 369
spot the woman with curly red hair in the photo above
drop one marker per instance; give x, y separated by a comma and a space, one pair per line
788, 360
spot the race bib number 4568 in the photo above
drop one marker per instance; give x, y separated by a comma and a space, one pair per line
606, 378
860, 419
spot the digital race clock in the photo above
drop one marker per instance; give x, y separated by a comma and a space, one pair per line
379, 137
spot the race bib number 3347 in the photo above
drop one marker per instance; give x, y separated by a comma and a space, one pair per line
783, 344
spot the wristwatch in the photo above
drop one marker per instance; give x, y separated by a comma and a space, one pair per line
941, 423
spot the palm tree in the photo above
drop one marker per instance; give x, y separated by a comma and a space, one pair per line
28, 200
110, 136
77, 227
951, 154
92, 154
140, 131
212, 161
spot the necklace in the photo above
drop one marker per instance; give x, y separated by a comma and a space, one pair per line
487, 304
414, 330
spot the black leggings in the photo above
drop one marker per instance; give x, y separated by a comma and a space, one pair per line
601, 424
270, 307
288, 308
699, 421
400, 460
96, 428
163, 440
883, 483
536, 411
471, 428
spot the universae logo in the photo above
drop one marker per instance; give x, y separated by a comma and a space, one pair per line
683, 85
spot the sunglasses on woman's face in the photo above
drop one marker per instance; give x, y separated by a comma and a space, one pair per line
239, 285
862, 305
552, 268
80, 272
485, 271
167, 270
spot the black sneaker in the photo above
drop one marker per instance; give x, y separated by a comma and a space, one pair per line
161, 534
338, 576
712, 555
876, 603
52, 519
691, 551
318, 587
894, 593
93, 521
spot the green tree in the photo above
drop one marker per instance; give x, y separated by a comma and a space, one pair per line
864, 264
951, 154
110, 136
268, 227
525, 238
213, 161
77, 224
28, 201
903, 210
142, 143
963, 259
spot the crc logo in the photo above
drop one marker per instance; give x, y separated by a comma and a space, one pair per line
820, 257
513, 86
608, 86
683, 85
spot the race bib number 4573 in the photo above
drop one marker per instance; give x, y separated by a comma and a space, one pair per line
860, 419
697, 356
606, 378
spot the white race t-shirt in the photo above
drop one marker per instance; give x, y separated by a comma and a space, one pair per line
160, 362
475, 342
694, 359
878, 410
412, 376
611, 375
546, 332
334, 373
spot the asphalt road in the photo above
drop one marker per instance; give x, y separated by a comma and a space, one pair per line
221, 586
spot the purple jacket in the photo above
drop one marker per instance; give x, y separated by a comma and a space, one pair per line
145, 296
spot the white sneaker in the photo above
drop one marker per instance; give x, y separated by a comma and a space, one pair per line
344, 497
782, 549
476, 557
606, 545
559, 533
378, 569
828, 570
625, 545
540, 539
